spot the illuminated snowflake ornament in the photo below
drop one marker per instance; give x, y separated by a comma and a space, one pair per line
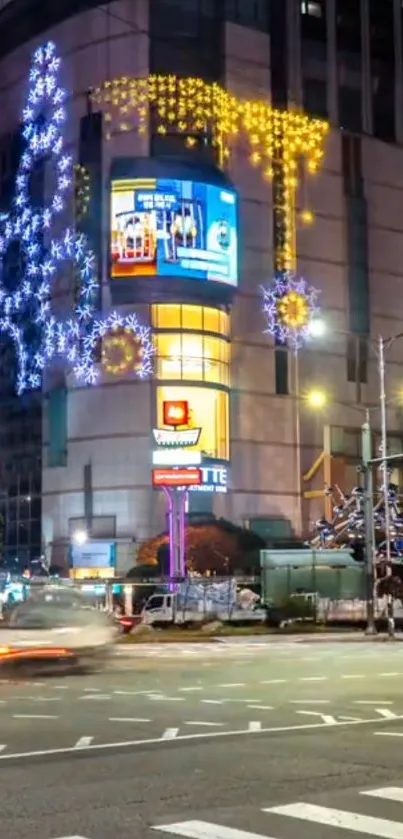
27, 316
127, 345
290, 305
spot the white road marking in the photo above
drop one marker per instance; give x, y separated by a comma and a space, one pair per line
385, 675
309, 701
371, 702
34, 717
386, 713
97, 696
340, 818
274, 682
388, 733
160, 698
386, 793
184, 737
2, 747
352, 676
254, 726
313, 679
92, 690
61, 687
191, 689
261, 707
137, 692
327, 719
232, 685
170, 733
83, 742
128, 719
206, 830
212, 724
212, 702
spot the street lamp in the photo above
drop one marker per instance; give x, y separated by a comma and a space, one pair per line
80, 537
380, 347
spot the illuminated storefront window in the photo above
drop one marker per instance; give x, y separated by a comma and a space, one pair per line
199, 318
208, 410
193, 357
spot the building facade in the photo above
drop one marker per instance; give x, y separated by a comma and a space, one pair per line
260, 439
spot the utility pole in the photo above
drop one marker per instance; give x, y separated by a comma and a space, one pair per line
366, 453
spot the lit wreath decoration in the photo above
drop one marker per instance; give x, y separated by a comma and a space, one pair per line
290, 305
126, 336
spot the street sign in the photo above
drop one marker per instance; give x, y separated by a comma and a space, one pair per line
176, 477
171, 437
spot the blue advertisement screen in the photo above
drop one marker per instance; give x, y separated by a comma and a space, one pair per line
172, 228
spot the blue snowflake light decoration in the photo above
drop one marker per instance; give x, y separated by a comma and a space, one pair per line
290, 305
44, 255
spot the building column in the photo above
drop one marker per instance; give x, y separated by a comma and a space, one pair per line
366, 75
332, 77
397, 26
294, 54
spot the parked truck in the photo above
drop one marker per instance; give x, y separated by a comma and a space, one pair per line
194, 602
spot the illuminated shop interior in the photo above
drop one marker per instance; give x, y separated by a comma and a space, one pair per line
192, 344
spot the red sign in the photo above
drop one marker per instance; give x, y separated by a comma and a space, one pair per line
176, 477
176, 413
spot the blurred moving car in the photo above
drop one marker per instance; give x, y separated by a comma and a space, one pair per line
56, 624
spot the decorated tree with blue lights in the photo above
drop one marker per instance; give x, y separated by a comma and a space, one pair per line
41, 333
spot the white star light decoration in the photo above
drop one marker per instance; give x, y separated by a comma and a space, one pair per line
290, 306
43, 254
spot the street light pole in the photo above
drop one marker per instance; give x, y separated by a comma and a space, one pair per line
384, 470
366, 454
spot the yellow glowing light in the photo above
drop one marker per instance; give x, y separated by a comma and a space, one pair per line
192, 107
293, 310
307, 217
121, 352
316, 398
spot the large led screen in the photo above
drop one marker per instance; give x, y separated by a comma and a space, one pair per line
172, 228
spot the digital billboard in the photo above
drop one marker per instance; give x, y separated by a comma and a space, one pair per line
173, 228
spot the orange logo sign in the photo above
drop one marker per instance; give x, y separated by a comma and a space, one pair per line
176, 413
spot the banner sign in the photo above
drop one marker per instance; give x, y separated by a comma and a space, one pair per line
176, 477
171, 437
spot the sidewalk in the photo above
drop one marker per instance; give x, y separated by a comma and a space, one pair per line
263, 641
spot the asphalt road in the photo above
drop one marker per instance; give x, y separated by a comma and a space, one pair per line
176, 739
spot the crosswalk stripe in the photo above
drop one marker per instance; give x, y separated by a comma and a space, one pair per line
387, 793
340, 818
206, 830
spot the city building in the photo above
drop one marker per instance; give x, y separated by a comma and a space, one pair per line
267, 450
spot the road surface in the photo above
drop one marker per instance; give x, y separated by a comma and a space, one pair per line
209, 744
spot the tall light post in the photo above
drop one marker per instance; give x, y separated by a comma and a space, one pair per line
317, 399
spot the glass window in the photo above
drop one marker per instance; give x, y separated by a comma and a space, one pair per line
192, 317
224, 323
167, 316
192, 356
175, 316
208, 410
169, 356
211, 320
